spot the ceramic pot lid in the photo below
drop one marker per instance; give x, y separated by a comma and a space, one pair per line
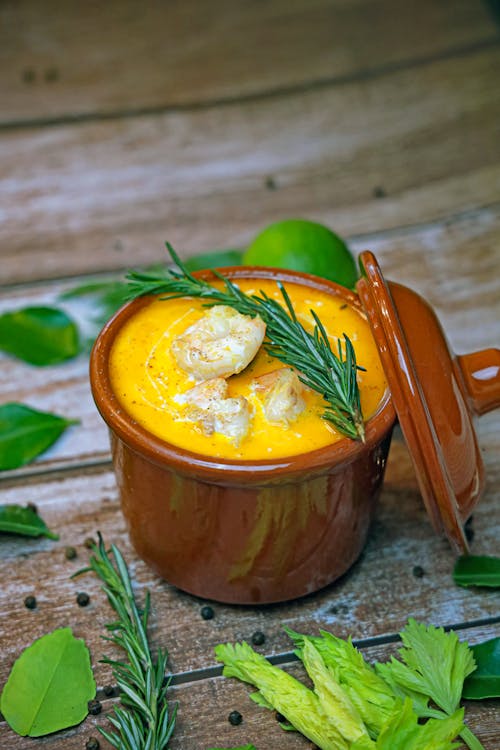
435, 395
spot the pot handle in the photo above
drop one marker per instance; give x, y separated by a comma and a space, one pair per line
481, 373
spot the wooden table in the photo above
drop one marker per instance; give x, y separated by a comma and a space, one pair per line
125, 124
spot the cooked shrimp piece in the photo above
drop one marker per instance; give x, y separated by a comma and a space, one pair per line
282, 395
221, 343
209, 405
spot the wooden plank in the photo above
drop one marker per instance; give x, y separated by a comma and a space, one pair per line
203, 708
120, 57
106, 195
374, 598
452, 263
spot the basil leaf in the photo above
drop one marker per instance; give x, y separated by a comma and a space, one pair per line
481, 570
214, 259
25, 433
485, 681
49, 686
39, 335
14, 519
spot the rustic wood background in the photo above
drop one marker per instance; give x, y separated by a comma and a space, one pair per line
125, 124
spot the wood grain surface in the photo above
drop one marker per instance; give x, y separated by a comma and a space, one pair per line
101, 195
122, 57
123, 125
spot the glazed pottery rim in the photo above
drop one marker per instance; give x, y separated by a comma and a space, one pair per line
213, 469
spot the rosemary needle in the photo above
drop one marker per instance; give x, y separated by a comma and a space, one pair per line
146, 722
331, 374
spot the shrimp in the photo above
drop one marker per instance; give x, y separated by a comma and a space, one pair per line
209, 405
221, 343
282, 391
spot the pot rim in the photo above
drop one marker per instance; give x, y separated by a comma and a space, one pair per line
229, 471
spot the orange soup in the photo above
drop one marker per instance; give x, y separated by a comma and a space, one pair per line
152, 387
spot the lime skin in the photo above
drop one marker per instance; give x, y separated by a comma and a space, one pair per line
306, 246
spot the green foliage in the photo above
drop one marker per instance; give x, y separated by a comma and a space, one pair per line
434, 664
26, 432
106, 298
279, 690
484, 682
39, 335
49, 686
369, 709
403, 732
480, 570
145, 722
25, 521
368, 692
214, 259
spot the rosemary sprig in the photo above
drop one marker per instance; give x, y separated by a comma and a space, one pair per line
332, 375
146, 723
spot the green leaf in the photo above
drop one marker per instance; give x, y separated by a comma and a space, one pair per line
480, 570
14, 519
49, 686
403, 732
334, 700
26, 432
299, 705
39, 335
435, 664
484, 682
368, 692
214, 259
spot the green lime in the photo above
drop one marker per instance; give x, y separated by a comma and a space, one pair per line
303, 246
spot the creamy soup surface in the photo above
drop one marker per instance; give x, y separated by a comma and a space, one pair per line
150, 384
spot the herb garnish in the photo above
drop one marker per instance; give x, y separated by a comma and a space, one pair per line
146, 723
332, 375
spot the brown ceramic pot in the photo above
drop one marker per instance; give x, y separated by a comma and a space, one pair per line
243, 531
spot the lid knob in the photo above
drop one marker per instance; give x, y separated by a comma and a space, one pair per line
481, 373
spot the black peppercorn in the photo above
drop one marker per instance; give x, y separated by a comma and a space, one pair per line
92, 744
418, 571
69, 553
258, 638
207, 612
94, 707
279, 717
108, 690
30, 602
82, 599
235, 718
